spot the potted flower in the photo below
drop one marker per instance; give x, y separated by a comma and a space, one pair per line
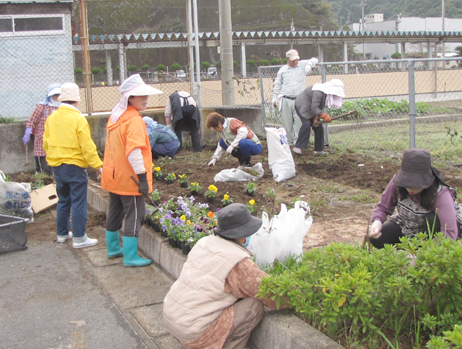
183, 181
170, 178
195, 188
149, 213
250, 188
251, 206
211, 193
226, 200
155, 196
158, 173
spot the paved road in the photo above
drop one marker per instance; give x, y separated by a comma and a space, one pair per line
54, 296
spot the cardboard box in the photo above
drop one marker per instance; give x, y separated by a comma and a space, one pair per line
44, 198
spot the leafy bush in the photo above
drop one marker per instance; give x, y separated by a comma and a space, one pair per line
276, 61
377, 295
250, 62
132, 67
145, 67
396, 55
161, 67
450, 339
175, 66
78, 71
264, 62
205, 65
234, 63
96, 70
6, 120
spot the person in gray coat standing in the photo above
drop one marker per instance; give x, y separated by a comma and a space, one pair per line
182, 113
310, 105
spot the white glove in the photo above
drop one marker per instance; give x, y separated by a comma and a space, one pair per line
314, 61
275, 102
100, 171
375, 230
230, 149
213, 162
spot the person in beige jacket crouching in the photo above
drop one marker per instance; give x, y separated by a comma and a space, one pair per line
213, 303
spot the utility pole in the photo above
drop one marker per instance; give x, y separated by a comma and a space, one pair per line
190, 48
85, 55
443, 14
363, 26
226, 52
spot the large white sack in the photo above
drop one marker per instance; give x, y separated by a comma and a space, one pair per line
280, 159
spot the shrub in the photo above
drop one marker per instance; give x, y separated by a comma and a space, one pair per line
396, 55
96, 70
276, 61
363, 294
161, 67
175, 66
205, 65
264, 62
78, 71
234, 63
132, 67
250, 63
145, 67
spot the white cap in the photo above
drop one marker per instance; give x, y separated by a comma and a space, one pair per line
292, 55
69, 92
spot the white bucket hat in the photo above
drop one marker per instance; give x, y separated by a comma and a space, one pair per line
69, 92
292, 55
133, 86
333, 87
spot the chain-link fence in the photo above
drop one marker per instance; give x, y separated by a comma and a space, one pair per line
400, 104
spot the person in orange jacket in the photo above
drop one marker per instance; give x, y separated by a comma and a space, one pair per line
127, 157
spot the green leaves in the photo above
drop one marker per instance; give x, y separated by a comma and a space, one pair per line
343, 289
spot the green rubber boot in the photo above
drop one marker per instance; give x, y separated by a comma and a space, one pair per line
131, 258
113, 245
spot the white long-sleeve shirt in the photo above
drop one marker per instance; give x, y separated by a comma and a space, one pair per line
291, 81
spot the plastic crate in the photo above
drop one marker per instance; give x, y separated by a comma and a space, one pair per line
12, 234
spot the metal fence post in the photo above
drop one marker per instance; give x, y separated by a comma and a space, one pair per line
326, 128
263, 100
412, 111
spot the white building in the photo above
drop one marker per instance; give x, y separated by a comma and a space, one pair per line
375, 22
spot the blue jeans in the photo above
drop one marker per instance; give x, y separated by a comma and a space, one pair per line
71, 187
246, 147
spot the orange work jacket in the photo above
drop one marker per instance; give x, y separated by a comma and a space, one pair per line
122, 137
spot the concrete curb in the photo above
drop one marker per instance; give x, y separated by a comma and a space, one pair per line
278, 329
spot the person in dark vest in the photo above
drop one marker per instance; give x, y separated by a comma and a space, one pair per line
164, 141
182, 114
423, 202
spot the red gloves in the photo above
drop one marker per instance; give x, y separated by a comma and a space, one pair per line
326, 117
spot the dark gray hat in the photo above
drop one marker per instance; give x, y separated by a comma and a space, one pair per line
416, 170
235, 221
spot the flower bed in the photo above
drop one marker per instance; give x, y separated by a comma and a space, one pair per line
183, 221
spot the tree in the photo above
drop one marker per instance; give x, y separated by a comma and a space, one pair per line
132, 67
78, 71
161, 67
145, 67
96, 70
396, 55
205, 65
175, 66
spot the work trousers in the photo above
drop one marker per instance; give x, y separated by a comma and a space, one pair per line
168, 148
130, 209
187, 123
246, 149
391, 232
290, 120
247, 315
304, 135
71, 187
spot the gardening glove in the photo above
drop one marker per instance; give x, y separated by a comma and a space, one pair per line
26, 137
326, 117
375, 230
213, 162
144, 187
313, 62
230, 149
274, 102
100, 171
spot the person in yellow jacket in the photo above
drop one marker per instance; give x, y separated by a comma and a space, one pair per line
69, 152
127, 157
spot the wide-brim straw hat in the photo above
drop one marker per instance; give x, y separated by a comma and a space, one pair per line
235, 221
416, 170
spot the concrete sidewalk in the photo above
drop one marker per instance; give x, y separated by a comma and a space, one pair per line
54, 296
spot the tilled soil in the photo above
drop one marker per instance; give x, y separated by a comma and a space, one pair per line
341, 188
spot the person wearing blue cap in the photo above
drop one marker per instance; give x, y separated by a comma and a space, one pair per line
35, 126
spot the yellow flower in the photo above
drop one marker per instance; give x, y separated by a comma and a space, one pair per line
324, 290
183, 217
188, 222
157, 169
213, 188
337, 275
226, 197
182, 176
153, 165
173, 175
252, 202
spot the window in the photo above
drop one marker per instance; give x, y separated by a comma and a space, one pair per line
31, 25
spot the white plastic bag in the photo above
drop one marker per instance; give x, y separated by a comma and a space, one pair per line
15, 199
282, 236
238, 175
280, 159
